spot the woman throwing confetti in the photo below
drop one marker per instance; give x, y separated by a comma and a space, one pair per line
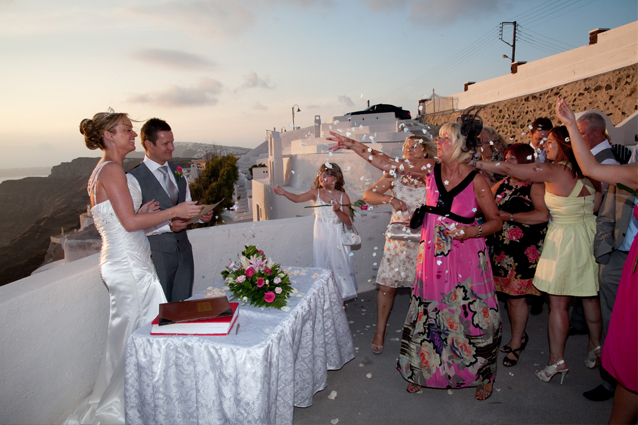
452, 331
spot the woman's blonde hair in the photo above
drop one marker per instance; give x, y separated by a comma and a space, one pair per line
460, 152
334, 170
428, 146
93, 129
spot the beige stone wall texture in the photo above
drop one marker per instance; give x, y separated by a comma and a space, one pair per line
613, 93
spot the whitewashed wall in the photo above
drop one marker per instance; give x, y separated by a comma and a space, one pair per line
53, 324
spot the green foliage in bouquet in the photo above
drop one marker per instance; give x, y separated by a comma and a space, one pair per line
257, 280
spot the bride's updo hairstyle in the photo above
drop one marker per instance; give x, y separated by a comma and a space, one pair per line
93, 129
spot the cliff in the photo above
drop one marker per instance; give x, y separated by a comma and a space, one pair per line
613, 93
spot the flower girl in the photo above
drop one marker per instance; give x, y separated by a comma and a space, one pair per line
328, 251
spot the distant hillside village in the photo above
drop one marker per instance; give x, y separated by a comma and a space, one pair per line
600, 76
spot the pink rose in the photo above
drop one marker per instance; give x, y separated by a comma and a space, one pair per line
532, 253
364, 207
240, 279
260, 282
269, 296
261, 252
514, 233
249, 272
179, 169
500, 258
268, 271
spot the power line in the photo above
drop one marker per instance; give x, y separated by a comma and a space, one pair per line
479, 44
568, 46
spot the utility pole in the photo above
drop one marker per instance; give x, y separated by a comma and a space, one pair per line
513, 45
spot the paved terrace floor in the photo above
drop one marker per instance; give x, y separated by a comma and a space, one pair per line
518, 398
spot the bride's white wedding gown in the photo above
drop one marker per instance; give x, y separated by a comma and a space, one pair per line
135, 294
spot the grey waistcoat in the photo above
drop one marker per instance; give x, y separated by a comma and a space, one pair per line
604, 154
152, 189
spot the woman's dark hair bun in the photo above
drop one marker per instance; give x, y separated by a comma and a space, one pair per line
471, 127
92, 138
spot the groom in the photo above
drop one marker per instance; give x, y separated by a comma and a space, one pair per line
157, 179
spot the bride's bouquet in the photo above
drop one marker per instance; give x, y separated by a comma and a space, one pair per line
257, 280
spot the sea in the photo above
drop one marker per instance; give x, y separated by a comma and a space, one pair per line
21, 173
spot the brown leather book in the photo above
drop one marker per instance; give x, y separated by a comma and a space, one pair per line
187, 311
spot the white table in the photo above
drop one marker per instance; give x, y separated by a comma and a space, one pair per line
277, 360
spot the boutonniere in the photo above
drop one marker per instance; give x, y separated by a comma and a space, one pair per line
179, 172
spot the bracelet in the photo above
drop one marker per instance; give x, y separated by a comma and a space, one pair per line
512, 217
170, 217
474, 161
480, 231
390, 201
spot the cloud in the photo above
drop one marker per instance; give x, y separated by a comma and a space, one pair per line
175, 59
433, 12
205, 92
253, 80
259, 107
212, 19
313, 107
345, 100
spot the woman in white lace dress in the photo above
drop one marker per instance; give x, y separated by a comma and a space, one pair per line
398, 264
327, 250
125, 264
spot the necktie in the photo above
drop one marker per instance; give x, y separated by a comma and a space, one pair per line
169, 183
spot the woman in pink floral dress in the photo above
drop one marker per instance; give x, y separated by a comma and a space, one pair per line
515, 250
453, 327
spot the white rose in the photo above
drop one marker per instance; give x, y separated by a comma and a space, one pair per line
277, 281
278, 290
240, 279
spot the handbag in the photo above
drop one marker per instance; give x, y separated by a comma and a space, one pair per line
350, 237
417, 218
399, 231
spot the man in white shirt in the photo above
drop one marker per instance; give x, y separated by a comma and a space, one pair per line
157, 179
539, 130
593, 128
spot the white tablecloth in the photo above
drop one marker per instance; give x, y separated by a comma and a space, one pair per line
277, 360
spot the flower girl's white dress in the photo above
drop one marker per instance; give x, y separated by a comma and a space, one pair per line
329, 253
135, 295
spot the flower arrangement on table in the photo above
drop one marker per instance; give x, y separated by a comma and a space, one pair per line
257, 280
357, 204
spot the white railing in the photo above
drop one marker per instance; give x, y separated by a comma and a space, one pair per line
54, 323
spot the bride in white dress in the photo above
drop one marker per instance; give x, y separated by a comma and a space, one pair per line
125, 264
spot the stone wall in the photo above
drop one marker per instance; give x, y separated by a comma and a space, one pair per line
613, 93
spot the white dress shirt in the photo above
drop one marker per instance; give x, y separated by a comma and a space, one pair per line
599, 148
136, 194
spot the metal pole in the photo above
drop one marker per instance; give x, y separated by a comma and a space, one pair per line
514, 44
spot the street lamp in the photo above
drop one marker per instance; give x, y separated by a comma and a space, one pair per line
293, 114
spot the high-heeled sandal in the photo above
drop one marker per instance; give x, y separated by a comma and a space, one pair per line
507, 362
484, 391
413, 388
376, 348
593, 360
550, 371
524, 341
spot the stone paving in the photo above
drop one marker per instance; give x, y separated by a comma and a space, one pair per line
371, 391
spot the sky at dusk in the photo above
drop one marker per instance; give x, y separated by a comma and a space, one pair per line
224, 71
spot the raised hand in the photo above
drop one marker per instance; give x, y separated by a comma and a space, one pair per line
564, 113
336, 206
278, 190
342, 142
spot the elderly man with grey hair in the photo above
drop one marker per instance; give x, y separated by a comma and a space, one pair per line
593, 128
